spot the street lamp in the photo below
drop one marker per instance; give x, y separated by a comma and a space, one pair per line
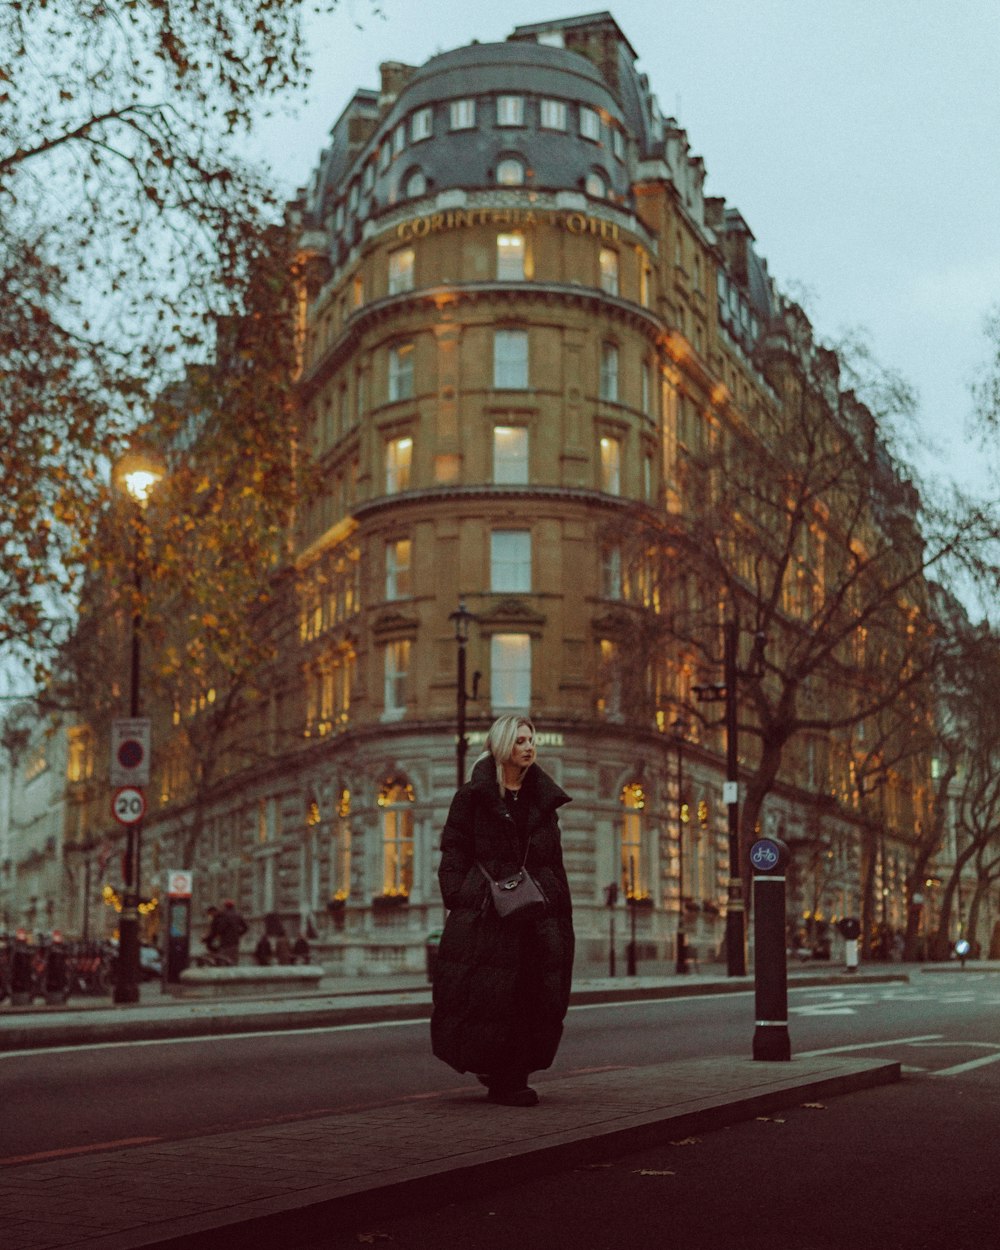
462, 618
679, 731
136, 476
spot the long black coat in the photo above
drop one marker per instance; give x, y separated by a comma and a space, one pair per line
501, 987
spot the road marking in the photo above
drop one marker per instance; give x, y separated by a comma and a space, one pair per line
967, 1067
78, 1150
823, 1009
896, 1041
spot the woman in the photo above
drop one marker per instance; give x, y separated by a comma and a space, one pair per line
501, 987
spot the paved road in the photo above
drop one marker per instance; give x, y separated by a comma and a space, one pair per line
57, 1100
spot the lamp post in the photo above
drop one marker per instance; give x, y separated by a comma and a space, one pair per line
679, 728
136, 477
462, 618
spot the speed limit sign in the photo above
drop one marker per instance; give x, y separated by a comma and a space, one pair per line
128, 805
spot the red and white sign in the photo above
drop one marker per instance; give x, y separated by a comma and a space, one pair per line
128, 805
130, 752
180, 883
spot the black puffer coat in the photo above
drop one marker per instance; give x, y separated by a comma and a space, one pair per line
501, 987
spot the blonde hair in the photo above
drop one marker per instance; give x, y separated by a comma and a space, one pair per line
501, 739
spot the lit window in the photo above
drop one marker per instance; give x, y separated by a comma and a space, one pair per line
609, 372
398, 457
553, 115
396, 802
416, 184
634, 862
397, 569
510, 257
645, 279
596, 186
510, 359
510, 561
421, 125
609, 701
358, 290
590, 124
611, 466
401, 372
510, 672
463, 114
510, 455
609, 270
611, 573
510, 110
510, 172
397, 667
401, 270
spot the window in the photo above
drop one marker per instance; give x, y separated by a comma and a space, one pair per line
384, 156
510, 360
510, 257
647, 478
338, 216
397, 667
595, 186
645, 278
416, 184
609, 685
510, 455
634, 863
510, 561
463, 114
369, 177
352, 197
609, 270
398, 455
618, 143
358, 290
397, 569
510, 110
590, 124
647, 386
553, 115
510, 172
401, 372
611, 572
399, 139
401, 270
611, 465
609, 372
510, 672
421, 125
396, 802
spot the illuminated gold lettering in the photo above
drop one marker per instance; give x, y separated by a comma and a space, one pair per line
576, 223
530, 218
437, 221
421, 226
403, 230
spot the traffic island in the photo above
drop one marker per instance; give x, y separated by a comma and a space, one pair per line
236, 982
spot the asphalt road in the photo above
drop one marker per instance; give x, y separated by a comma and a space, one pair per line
65, 1098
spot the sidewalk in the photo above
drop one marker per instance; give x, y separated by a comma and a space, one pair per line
284, 1183
344, 1000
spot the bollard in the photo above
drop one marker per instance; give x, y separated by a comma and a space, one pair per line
768, 857
850, 931
22, 973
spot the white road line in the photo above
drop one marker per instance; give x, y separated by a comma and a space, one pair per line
967, 1067
896, 1041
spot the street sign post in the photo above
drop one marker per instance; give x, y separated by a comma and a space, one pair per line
130, 752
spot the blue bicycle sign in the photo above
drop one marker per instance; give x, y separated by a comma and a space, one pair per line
765, 855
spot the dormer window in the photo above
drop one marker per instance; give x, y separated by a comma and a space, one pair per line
510, 110
463, 114
421, 125
416, 184
510, 172
590, 124
596, 186
553, 115
618, 143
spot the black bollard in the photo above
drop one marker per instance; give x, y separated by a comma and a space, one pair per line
22, 975
768, 857
56, 972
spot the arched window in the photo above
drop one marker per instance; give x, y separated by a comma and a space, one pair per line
596, 186
416, 184
634, 852
510, 172
396, 801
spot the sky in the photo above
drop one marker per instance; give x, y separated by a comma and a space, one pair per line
858, 138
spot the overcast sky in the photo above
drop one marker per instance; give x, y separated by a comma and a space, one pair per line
859, 138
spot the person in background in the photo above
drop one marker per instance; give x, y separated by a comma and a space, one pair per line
300, 951
228, 926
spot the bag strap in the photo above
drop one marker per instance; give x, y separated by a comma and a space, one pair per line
523, 862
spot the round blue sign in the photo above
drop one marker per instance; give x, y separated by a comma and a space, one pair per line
765, 855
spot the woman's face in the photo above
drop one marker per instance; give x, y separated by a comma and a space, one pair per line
523, 753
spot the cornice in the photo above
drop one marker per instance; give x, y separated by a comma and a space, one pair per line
453, 494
